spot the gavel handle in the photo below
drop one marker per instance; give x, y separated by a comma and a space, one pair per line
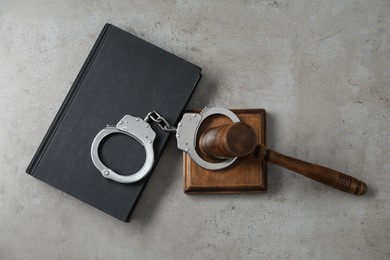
313, 171
239, 139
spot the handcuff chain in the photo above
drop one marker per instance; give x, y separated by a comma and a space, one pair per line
161, 121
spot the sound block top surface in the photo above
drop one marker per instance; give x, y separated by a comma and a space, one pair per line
246, 175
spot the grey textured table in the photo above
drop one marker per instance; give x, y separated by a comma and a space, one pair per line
320, 68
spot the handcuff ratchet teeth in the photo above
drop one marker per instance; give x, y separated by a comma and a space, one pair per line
140, 130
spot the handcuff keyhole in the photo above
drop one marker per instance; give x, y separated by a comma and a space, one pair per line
122, 153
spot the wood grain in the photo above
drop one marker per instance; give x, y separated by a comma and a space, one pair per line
246, 175
228, 141
313, 171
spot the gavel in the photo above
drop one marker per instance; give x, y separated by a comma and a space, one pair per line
239, 140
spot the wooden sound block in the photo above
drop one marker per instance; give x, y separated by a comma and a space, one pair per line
245, 175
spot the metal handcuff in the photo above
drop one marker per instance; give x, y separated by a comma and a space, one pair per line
140, 130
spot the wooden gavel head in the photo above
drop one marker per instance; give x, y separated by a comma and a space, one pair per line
227, 141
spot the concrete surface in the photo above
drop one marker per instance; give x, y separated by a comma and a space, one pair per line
320, 68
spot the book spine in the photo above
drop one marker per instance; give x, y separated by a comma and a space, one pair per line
68, 100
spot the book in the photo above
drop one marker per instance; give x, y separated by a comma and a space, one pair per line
123, 74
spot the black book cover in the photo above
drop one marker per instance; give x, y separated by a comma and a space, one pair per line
122, 75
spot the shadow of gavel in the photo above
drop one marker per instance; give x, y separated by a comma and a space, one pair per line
239, 139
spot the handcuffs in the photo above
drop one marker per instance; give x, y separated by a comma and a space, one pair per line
140, 129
